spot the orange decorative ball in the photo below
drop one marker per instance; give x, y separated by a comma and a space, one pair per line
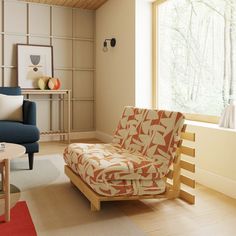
54, 83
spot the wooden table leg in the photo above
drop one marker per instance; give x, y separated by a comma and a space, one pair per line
7, 190
60, 119
2, 175
68, 128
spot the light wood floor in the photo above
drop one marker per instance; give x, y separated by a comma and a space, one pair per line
213, 213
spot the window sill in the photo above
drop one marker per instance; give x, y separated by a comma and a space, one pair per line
208, 125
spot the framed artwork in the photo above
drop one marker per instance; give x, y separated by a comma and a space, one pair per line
33, 62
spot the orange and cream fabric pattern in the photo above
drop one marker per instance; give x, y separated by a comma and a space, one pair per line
140, 155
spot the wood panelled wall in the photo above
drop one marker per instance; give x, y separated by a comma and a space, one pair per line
71, 33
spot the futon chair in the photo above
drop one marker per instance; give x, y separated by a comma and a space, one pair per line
143, 156
24, 133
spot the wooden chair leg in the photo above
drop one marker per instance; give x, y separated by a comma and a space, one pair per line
95, 208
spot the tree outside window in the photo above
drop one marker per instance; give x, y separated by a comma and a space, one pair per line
196, 55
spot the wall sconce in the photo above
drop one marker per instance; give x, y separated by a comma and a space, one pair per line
112, 44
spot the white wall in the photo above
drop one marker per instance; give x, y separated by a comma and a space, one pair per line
115, 70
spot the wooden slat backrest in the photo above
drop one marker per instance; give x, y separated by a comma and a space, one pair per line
175, 173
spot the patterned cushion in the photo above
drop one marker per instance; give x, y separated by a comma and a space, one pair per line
153, 133
105, 168
96, 162
141, 153
129, 187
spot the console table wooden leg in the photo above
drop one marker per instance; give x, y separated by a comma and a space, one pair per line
63, 116
7, 190
69, 104
60, 113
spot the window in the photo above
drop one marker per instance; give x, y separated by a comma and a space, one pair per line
196, 55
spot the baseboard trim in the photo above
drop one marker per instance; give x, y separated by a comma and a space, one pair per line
219, 183
106, 138
83, 135
73, 136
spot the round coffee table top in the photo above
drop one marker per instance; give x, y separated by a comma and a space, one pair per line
11, 151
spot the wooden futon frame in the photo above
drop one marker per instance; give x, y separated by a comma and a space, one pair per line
178, 184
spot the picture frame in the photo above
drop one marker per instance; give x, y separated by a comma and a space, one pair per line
33, 61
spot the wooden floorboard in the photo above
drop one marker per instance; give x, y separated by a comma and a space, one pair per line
59, 146
214, 214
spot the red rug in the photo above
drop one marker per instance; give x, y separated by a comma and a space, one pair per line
20, 224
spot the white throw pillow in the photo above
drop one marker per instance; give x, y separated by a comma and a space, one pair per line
11, 107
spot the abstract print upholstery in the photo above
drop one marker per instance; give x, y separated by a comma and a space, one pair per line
139, 156
107, 171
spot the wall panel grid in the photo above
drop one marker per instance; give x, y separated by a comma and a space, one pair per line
71, 33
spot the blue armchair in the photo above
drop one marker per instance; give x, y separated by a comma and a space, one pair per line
25, 133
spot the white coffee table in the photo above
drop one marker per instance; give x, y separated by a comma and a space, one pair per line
10, 151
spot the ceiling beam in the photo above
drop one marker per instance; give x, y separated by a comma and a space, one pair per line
85, 4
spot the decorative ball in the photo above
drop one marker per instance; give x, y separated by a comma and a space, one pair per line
43, 82
54, 83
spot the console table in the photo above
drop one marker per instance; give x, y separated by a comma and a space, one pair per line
63, 96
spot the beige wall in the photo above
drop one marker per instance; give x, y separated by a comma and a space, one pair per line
124, 73
215, 149
71, 32
115, 70
216, 157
